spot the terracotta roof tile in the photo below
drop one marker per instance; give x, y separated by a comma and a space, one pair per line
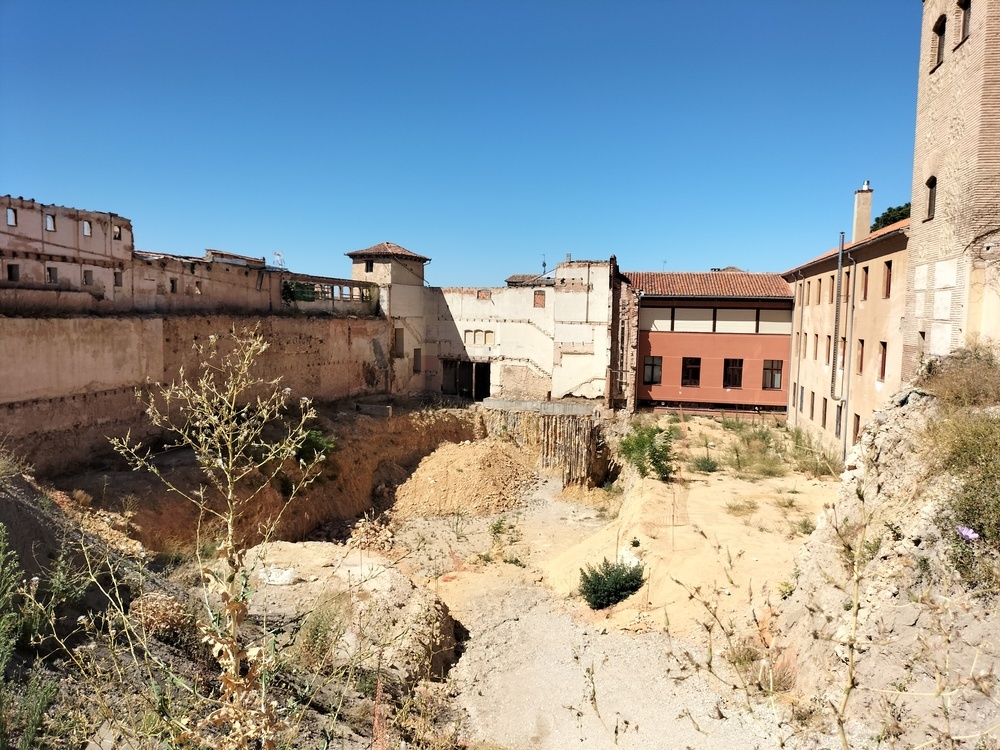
386, 250
900, 226
710, 284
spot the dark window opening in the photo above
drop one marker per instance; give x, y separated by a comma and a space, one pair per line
887, 280
118, 278
812, 405
861, 356
417, 361
857, 428
829, 348
173, 286
882, 353
399, 348
691, 371
13, 272
369, 266
732, 373
864, 283
931, 197
965, 8
822, 414
52, 275
772, 374
840, 414
937, 50
652, 370
88, 278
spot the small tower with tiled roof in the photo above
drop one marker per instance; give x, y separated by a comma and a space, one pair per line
387, 263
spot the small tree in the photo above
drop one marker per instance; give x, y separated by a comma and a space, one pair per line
236, 424
649, 449
891, 216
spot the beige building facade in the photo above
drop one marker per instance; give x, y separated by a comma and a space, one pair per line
847, 331
953, 286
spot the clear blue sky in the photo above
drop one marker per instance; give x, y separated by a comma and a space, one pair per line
481, 133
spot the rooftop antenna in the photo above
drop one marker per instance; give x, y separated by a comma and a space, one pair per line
543, 264
663, 267
279, 259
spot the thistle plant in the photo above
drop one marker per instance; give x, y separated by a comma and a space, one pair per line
237, 425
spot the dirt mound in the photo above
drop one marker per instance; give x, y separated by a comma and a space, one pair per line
484, 477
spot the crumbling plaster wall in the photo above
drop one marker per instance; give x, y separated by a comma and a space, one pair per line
67, 384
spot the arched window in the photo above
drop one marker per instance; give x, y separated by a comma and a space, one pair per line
964, 17
937, 53
931, 196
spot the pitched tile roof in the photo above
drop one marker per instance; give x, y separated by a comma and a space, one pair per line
900, 226
386, 250
710, 284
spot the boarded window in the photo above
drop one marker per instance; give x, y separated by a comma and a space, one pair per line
693, 320
735, 321
776, 321
484, 294
118, 278
490, 338
417, 361
398, 343
540, 298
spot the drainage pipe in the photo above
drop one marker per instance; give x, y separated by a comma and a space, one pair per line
850, 344
798, 351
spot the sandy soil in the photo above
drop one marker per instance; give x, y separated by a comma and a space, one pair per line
542, 670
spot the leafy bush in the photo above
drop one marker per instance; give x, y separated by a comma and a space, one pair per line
610, 583
650, 449
705, 464
314, 444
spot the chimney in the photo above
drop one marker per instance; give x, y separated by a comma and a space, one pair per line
862, 213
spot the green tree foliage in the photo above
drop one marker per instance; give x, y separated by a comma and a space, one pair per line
610, 583
891, 216
650, 450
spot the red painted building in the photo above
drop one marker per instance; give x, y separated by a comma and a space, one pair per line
716, 340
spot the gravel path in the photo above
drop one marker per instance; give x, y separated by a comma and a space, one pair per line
534, 677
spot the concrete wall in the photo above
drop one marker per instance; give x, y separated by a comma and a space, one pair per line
68, 383
952, 294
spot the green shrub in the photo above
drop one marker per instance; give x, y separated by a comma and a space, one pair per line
610, 583
705, 464
650, 450
314, 444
